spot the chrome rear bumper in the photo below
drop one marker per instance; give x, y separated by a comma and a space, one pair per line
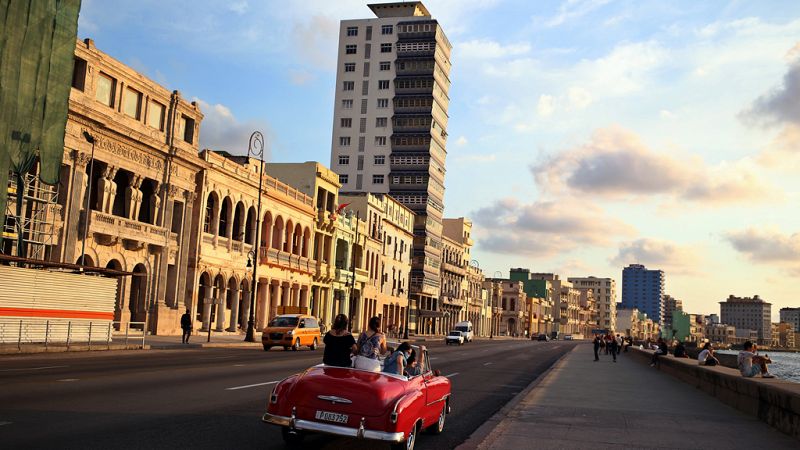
317, 427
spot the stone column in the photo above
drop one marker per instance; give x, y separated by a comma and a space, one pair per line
207, 309
264, 303
133, 198
75, 204
221, 293
304, 296
234, 310
183, 243
296, 295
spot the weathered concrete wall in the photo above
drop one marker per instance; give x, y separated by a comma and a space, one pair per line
774, 401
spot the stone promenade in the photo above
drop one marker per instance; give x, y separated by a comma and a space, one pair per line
585, 404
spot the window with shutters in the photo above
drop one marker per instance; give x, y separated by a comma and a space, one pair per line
352, 31
365, 87
363, 106
362, 142
366, 69
362, 128
349, 67
349, 86
346, 122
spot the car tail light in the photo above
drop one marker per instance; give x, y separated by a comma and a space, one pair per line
393, 417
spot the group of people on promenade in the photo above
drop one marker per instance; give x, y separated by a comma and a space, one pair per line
610, 344
342, 349
749, 362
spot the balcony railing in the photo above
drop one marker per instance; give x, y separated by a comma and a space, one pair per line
275, 257
110, 225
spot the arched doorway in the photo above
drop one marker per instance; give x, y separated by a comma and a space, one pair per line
138, 297
204, 291
87, 260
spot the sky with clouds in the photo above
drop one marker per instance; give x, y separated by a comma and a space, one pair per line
584, 134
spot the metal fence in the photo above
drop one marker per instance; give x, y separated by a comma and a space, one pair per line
62, 333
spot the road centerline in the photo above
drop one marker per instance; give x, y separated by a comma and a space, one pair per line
236, 388
32, 368
452, 374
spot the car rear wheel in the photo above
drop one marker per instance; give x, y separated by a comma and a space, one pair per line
267, 347
438, 427
408, 444
292, 438
313, 345
296, 345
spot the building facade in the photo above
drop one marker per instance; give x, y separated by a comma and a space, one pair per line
390, 119
605, 295
671, 304
748, 313
790, 316
643, 289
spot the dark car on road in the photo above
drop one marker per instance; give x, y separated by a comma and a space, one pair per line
542, 337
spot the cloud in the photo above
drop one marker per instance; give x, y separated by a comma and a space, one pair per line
461, 141
544, 228
573, 9
615, 163
780, 105
315, 40
300, 77
658, 254
545, 106
488, 49
239, 7
220, 130
768, 245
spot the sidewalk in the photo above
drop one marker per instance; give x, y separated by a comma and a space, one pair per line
585, 404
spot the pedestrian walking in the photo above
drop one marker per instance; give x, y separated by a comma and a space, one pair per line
611, 345
186, 326
596, 345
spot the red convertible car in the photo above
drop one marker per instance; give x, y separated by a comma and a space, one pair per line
360, 404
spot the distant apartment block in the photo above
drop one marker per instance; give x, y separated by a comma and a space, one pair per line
605, 294
746, 313
643, 289
791, 316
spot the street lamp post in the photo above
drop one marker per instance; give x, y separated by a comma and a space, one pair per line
255, 148
90, 139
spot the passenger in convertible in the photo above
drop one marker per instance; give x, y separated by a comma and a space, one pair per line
416, 362
371, 344
340, 345
397, 362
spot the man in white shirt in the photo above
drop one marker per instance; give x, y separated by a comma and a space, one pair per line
750, 364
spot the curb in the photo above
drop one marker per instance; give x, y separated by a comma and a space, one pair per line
38, 350
482, 436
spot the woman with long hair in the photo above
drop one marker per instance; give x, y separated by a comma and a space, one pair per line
339, 344
371, 344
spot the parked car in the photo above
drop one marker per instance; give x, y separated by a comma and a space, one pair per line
542, 337
455, 337
291, 331
360, 404
567, 337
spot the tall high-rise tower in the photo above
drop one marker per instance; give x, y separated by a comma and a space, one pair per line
643, 289
389, 122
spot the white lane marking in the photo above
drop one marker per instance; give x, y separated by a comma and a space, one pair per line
67, 380
221, 357
236, 388
5, 423
32, 368
452, 375
434, 358
486, 364
239, 365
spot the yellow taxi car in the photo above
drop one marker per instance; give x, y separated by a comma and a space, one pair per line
291, 331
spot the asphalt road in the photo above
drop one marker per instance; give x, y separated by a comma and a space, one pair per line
214, 398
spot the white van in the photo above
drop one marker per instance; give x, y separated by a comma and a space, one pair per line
466, 329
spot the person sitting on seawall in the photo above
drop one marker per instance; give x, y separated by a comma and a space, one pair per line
750, 363
371, 344
706, 357
340, 345
397, 362
660, 351
680, 350
416, 362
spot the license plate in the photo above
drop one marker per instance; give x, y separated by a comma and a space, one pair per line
331, 417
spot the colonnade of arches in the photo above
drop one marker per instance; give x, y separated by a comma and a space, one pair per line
238, 223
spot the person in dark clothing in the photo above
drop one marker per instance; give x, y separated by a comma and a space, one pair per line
680, 350
660, 351
186, 326
339, 344
611, 345
596, 345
